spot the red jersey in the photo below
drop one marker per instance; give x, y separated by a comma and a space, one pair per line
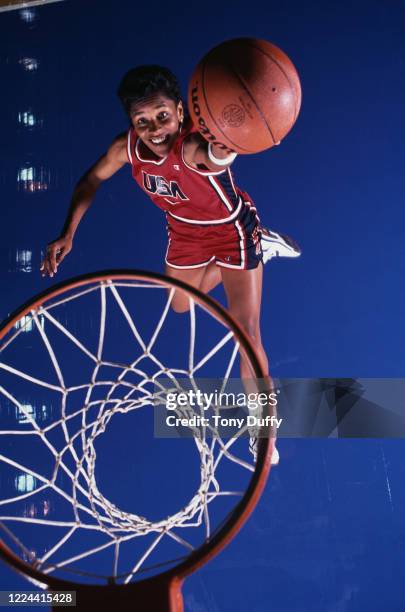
184, 193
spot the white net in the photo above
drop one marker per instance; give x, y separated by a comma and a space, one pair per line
68, 368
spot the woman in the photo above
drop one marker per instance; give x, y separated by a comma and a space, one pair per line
214, 232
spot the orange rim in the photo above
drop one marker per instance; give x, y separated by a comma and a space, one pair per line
170, 580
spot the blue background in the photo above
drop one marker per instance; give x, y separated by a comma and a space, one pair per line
329, 532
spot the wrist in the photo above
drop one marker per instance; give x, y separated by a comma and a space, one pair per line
219, 161
68, 235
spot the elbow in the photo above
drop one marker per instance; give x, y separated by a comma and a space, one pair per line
88, 184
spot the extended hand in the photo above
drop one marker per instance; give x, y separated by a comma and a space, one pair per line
55, 253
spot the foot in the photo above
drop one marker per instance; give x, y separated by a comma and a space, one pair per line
275, 458
278, 245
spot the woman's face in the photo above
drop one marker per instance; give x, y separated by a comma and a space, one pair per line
157, 122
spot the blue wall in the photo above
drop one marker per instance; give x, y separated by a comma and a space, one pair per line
328, 534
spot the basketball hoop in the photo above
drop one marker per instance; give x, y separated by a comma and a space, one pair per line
47, 350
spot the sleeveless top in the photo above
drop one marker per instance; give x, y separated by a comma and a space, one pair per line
185, 193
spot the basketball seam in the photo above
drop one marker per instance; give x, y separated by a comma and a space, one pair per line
254, 102
281, 69
211, 115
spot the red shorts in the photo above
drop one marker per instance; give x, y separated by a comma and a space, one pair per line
235, 244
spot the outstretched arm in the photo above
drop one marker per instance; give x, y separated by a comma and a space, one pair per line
200, 154
83, 196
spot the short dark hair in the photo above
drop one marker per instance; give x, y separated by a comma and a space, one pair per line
146, 81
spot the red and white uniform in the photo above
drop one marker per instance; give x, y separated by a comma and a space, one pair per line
209, 219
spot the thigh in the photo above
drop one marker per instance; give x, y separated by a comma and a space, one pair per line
193, 277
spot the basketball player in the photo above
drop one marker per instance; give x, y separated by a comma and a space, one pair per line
213, 228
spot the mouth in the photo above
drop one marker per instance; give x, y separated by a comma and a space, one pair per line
162, 140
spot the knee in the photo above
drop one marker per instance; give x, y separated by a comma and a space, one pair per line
180, 306
250, 326
179, 302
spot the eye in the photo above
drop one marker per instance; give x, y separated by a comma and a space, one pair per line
163, 115
141, 121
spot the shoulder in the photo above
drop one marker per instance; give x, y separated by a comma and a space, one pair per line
118, 148
111, 161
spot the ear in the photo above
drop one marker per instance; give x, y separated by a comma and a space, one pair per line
180, 111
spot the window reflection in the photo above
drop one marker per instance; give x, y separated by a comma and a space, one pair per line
25, 483
29, 556
28, 15
41, 508
26, 323
30, 511
25, 412
23, 260
32, 179
29, 120
30, 64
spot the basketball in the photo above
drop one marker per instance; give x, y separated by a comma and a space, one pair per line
245, 95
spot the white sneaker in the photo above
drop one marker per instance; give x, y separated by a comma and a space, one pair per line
278, 245
275, 458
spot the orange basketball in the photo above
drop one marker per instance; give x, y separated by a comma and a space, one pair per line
245, 95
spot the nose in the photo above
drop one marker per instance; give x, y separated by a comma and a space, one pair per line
153, 126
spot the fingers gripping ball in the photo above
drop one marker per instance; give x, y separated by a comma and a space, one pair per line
245, 94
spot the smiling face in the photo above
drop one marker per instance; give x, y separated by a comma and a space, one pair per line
157, 122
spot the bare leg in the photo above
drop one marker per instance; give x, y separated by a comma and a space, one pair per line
244, 293
204, 279
211, 278
180, 302
243, 289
